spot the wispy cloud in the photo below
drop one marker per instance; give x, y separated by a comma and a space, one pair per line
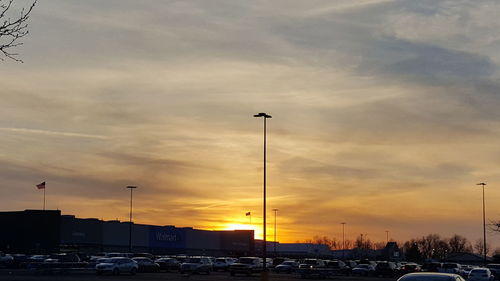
52, 133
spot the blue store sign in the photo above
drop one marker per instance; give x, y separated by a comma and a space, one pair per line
167, 237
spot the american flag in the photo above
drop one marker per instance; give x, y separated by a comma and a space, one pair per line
41, 186
247, 214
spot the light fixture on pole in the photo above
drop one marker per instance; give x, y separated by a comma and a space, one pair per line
264, 248
130, 221
275, 215
484, 226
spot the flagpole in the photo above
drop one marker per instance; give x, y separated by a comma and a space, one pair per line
44, 199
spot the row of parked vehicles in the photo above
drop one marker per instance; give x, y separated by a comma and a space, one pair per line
118, 263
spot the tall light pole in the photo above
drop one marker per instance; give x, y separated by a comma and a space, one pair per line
343, 239
131, 187
275, 215
264, 253
484, 225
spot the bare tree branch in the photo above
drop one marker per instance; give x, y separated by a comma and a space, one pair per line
12, 29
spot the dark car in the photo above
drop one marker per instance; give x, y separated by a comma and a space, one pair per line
168, 264
146, 265
386, 268
495, 269
431, 266
287, 267
409, 268
338, 266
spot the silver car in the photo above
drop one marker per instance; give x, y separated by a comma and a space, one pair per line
116, 266
431, 276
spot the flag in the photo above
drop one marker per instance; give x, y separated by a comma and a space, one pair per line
247, 214
41, 186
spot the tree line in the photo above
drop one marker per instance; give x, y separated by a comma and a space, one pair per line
431, 246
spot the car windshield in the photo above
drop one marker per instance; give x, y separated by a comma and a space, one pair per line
246, 260
220, 260
363, 266
104, 260
313, 262
450, 265
479, 271
287, 263
496, 266
193, 260
117, 260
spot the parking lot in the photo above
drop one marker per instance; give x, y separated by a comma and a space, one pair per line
21, 275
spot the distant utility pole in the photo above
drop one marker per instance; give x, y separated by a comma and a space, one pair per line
130, 221
484, 226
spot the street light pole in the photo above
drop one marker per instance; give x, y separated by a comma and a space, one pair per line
264, 253
275, 215
130, 221
484, 225
343, 240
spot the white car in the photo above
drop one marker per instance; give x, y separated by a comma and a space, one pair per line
450, 267
116, 266
431, 276
480, 274
223, 263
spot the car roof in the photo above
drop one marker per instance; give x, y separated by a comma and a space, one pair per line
430, 274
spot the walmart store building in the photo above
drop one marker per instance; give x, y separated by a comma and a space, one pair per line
36, 231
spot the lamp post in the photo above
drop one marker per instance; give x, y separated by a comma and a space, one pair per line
264, 254
484, 225
131, 187
275, 215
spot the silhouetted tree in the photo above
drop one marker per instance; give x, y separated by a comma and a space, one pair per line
478, 246
412, 251
458, 243
428, 245
12, 29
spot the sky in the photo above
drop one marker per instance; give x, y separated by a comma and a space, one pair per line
385, 114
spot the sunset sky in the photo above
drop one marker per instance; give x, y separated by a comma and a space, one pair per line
386, 114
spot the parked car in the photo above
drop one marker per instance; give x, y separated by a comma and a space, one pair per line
430, 276
363, 269
312, 263
339, 266
287, 266
480, 274
6, 260
116, 266
386, 268
495, 269
246, 265
146, 265
223, 263
350, 264
466, 269
409, 268
450, 267
197, 265
168, 264
431, 266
